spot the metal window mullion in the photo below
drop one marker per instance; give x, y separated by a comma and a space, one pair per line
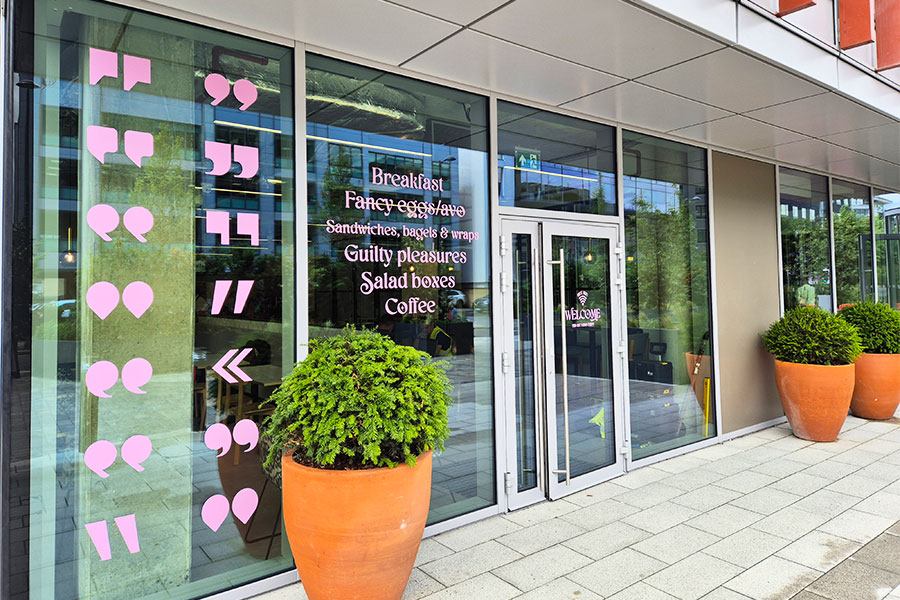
833, 265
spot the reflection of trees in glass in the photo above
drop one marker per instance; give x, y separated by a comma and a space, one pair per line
667, 275
805, 257
851, 230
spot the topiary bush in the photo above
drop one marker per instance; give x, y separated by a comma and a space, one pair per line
809, 335
360, 401
878, 326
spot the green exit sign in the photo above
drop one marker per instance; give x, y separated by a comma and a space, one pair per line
528, 159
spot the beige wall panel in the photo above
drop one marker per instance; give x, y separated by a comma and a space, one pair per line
746, 242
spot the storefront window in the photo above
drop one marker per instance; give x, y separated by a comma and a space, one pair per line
852, 242
398, 241
554, 162
805, 249
667, 280
887, 246
153, 303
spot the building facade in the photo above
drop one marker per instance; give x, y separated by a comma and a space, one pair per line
589, 210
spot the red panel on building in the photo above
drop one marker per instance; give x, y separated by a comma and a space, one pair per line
786, 7
887, 26
857, 22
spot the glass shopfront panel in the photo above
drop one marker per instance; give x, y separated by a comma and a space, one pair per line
153, 303
554, 162
887, 246
669, 345
852, 217
398, 241
805, 249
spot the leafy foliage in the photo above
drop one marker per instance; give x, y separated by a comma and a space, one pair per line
360, 401
878, 326
809, 335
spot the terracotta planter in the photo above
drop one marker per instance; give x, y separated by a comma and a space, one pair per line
877, 391
815, 398
355, 534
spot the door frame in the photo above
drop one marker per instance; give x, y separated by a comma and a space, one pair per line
541, 231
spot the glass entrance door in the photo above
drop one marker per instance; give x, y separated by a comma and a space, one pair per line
561, 357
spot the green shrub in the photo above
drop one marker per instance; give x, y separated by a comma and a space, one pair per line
360, 401
809, 335
878, 326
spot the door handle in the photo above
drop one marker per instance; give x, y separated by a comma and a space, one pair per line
565, 367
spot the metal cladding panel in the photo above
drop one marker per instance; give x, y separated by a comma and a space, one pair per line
887, 26
857, 19
786, 7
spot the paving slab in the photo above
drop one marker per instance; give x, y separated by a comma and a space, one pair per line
543, 535
560, 589
541, 567
883, 553
746, 547
854, 580
819, 550
616, 572
693, 577
773, 579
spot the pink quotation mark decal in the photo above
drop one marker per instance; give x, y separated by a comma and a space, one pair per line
99, 534
220, 155
217, 437
102, 141
136, 70
105, 140
138, 145
102, 375
215, 509
248, 224
221, 293
246, 433
217, 86
137, 297
103, 297
100, 455
219, 222
104, 219
103, 63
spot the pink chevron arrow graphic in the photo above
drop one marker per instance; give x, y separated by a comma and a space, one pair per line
220, 366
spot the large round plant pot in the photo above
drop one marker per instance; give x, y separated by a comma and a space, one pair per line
355, 534
877, 391
815, 398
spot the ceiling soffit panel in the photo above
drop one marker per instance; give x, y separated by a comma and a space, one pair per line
461, 12
821, 115
739, 133
361, 27
480, 60
645, 107
882, 141
607, 35
714, 16
751, 83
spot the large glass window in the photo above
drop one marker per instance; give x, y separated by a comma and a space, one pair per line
887, 246
667, 281
398, 228
805, 249
153, 304
555, 162
854, 275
